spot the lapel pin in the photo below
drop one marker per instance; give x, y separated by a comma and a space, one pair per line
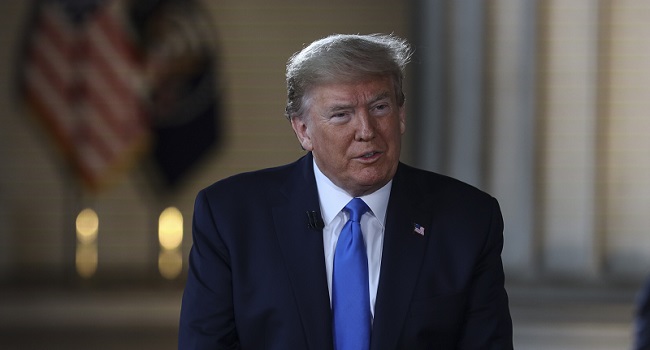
418, 229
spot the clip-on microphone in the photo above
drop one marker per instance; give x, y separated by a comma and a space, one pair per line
314, 221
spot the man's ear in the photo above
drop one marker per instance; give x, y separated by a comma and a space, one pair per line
301, 129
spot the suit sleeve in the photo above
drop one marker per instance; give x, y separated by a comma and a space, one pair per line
488, 323
207, 314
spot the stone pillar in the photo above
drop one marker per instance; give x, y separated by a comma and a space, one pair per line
512, 125
569, 139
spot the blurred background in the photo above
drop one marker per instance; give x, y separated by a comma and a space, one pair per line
115, 113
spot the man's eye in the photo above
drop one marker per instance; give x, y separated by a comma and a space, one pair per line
382, 107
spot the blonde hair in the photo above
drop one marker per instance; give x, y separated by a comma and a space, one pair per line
344, 58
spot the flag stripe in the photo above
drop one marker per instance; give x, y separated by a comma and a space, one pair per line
55, 26
53, 108
116, 65
95, 133
104, 100
115, 38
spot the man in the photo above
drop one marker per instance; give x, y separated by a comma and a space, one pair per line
267, 270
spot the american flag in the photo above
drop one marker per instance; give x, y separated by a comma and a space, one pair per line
81, 77
418, 229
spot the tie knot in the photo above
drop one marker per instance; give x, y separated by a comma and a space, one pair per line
356, 207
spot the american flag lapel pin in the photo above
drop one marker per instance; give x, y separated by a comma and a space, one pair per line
418, 229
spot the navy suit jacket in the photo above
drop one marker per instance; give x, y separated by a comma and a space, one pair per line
257, 275
642, 319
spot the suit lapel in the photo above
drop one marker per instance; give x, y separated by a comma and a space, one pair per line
402, 256
302, 249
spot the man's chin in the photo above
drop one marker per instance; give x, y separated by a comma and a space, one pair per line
365, 185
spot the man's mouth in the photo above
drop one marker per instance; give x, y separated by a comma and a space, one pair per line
369, 156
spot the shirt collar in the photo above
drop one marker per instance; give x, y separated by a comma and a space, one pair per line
333, 198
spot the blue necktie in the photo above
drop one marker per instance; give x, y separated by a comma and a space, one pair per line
350, 299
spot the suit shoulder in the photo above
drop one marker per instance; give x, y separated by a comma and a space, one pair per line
440, 185
251, 182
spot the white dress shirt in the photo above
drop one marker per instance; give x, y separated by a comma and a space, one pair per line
332, 201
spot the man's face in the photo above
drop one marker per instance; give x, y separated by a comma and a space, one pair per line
354, 131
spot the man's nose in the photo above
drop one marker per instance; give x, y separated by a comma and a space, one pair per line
365, 126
